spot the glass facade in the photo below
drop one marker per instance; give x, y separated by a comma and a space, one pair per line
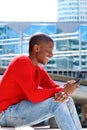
68, 53
13, 43
72, 10
73, 52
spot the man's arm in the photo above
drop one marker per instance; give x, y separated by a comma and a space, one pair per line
23, 76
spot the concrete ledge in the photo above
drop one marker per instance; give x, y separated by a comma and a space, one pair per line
2, 70
53, 76
18, 128
30, 128
63, 78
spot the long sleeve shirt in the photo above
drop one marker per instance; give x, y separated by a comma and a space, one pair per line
24, 81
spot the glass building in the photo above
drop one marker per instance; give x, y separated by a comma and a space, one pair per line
72, 10
72, 17
73, 50
14, 37
70, 51
10, 35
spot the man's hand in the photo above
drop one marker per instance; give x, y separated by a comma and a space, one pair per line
70, 86
60, 97
68, 89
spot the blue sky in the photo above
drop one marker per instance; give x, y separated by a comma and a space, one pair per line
28, 10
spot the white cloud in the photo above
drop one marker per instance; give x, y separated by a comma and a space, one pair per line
28, 10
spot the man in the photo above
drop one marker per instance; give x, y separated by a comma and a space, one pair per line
29, 96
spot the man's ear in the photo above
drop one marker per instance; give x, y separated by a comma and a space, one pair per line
36, 48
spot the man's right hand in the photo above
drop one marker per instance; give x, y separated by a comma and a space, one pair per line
70, 87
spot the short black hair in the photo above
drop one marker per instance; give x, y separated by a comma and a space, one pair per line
38, 38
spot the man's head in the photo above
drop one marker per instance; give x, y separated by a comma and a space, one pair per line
41, 47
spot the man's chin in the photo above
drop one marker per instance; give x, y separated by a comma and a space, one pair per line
44, 63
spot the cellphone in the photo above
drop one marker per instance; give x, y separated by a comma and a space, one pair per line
77, 80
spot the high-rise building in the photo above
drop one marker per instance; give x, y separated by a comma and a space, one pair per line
72, 17
72, 10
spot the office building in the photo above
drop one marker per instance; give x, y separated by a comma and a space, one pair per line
72, 17
72, 10
70, 56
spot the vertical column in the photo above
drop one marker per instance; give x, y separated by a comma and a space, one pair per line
21, 39
80, 51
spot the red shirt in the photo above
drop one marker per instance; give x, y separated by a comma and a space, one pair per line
24, 81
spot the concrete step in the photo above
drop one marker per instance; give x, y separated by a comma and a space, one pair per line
30, 128
18, 128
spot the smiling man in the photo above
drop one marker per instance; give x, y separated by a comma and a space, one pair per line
29, 96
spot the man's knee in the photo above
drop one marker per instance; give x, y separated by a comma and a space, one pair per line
71, 99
